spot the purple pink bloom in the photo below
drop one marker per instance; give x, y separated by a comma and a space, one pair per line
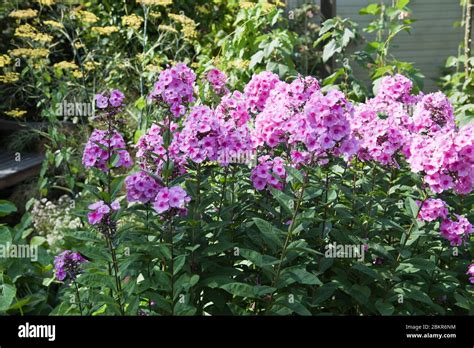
456, 231
433, 209
114, 100
268, 173
141, 187
470, 272
100, 210
171, 198
175, 87
218, 80
258, 89
68, 264
96, 153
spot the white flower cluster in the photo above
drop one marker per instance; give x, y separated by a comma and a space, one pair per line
51, 220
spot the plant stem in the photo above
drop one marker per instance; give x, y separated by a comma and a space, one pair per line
406, 236
116, 274
170, 232
371, 201
78, 296
467, 37
291, 228
326, 189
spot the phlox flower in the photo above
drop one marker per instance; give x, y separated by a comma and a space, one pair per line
470, 272
218, 80
115, 99
258, 89
456, 231
175, 87
98, 156
68, 263
141, 187
268, 172
171, 198
432, 209
101, 209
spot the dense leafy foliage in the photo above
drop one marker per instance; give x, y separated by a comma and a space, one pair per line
247, 191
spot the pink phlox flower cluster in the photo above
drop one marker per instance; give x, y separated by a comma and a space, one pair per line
394, 101
381, 139
299, 157
141, 187
171, 198
212, 135
433, 209
152, 154
446, 159
198, 138
327, 125
98, 156
456, 231
234, 108
115, 99
268, 173
395, 88
470, 273
175, 87
433, 113
68, 263
100, 209
150, 146
282, 119
258, 89
218, 80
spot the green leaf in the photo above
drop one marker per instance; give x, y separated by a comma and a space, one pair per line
246, 290
367, 271
329, 49
116, 186
256, 59
178, 263
462, 302
384, 308
347, 36
258, 259
6, 207
96, 280
5, 235
7, 294
140, 103
324, 292
360, 293
451, 61
301, 275
269, 232
411, 207
401, 4
372, 9
415, 265
282, 198
294, 174
37, 240
419, 296
296, 307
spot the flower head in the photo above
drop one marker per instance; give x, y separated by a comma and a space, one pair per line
67, 264
175, 87
99, 210
173, 199
102, 146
